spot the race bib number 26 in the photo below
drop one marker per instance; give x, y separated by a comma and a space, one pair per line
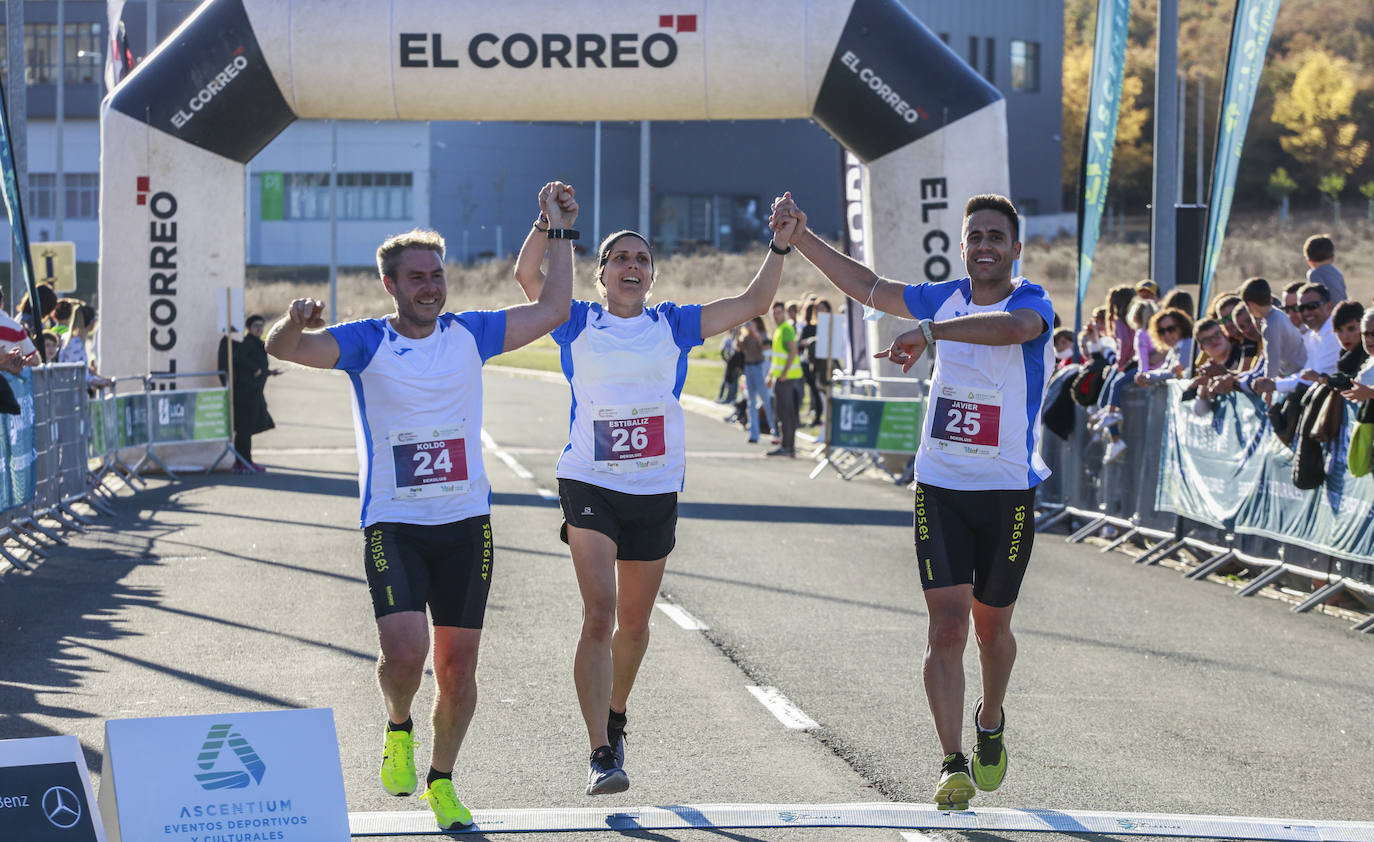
430, 462
966, 421
628, 438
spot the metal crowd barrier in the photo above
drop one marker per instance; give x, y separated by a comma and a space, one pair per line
44, 462
868, 421
1117, 502
65, 444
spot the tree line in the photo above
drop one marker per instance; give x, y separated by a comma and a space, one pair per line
1313, 119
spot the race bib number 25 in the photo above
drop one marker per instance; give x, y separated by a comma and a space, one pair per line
430, 462
966, 421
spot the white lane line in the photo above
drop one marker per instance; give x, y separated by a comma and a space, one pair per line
786, 712
516, 468
681, 617
913, 836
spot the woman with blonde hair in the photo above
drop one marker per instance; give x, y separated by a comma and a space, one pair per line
75, 350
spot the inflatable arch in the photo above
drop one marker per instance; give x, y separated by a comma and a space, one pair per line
176, 134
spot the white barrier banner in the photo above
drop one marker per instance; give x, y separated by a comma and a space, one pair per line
272, 775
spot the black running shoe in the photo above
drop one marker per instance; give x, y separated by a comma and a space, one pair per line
615, 734
604, 775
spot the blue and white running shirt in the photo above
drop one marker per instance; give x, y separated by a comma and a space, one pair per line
417, 414
626, 431
982, 422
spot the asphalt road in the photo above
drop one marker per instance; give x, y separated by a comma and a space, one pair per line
1135, 689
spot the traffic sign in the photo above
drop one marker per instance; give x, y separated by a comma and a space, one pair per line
55, 263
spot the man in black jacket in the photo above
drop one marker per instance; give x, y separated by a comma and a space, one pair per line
250, 406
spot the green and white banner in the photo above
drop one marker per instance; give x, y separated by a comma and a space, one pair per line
1228, 470
1099, 134
887, 425
131, 421
192, 415
1250, 31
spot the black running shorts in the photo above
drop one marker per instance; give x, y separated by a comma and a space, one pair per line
445, 566
982, 538
643, 526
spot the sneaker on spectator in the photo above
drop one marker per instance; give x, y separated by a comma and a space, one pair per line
1113, 452
260, 469
240, 468
1111, 417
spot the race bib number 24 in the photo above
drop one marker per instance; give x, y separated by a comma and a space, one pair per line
430, 462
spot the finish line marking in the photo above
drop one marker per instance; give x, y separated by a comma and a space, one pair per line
786, 712
681, 617
876, 815
516, 468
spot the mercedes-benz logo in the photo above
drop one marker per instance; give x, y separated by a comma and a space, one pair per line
61, 806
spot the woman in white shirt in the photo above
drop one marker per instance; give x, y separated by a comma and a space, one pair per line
618, 477
75, 350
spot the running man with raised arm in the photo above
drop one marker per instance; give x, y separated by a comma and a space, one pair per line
977, 468
426, 500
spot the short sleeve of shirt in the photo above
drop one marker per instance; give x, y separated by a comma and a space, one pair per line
488, 328
1029, 296
358, 341
577, 320
685, 322
923, 300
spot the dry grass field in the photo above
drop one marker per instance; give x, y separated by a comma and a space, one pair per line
1255, 246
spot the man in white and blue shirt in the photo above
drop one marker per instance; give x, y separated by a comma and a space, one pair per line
978, 465
426, 502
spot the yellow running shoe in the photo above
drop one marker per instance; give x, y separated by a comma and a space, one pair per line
398, 763
956, 787
989, 754
449, 812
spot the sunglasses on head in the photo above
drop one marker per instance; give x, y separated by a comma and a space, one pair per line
1309, 306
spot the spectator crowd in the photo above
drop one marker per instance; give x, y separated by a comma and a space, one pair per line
1302, 346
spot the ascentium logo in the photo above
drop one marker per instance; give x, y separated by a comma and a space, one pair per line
250, 767
550, 49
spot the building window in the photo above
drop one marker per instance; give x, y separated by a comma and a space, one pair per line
83, 194
85, 53
40, 53
365, 195
990, 56
42, 196
85, 58
973, 51
685, 222
380, 195
1025, 66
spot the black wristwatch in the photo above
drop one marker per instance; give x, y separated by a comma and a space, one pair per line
564, 234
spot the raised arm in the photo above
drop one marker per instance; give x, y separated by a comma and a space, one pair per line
290, 340
553, 297
847, 274
724, 313
528, 272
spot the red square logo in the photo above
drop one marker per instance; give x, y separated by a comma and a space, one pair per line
686, 23
665, 21
143, 183
143, 198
